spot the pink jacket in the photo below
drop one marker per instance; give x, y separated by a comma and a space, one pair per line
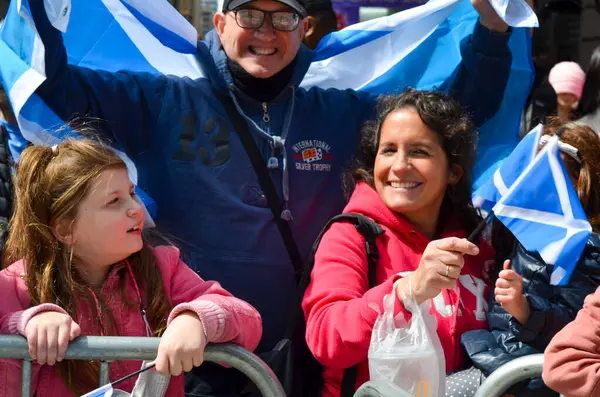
572, 359
226, 319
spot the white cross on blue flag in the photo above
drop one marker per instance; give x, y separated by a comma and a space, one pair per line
542, 209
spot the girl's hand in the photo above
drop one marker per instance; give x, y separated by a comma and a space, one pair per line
48, 335
182, 345
440, 266
509, 293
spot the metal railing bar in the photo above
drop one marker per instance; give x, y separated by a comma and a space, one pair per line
110, 348
103, 378
511, 373
26, 379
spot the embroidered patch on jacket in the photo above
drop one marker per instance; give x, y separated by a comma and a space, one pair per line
312, 155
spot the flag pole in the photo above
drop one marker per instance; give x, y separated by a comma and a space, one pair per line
480, 227
139, 371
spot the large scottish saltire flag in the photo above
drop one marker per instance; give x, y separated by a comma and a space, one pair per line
418, 47
540, 207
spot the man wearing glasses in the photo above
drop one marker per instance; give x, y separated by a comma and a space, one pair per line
191, 161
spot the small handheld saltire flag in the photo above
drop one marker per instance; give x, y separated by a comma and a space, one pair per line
417, 47
494, 188
104, 391
544, 213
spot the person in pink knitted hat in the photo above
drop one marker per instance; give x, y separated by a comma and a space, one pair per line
567, 79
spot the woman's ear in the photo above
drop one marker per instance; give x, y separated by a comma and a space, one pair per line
456, 174
62, 230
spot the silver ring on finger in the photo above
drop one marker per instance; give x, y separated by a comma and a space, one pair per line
447, 271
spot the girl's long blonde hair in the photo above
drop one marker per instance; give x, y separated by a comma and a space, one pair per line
49, 185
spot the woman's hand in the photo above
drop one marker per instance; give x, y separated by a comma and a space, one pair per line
182, 345
509, 294
440, 267
48, 335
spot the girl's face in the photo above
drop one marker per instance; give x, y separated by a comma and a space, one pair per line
108, 226
411, 170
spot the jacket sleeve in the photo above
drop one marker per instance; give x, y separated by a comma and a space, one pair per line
15, 301
479, 82
224, 317
339, 307
572, 360
130, 103
489, 350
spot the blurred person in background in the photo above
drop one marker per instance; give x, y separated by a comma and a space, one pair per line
589, 104
567, 79
321, 21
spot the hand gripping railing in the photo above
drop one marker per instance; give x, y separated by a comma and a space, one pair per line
110, 348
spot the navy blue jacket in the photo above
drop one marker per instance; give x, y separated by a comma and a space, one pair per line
552, 307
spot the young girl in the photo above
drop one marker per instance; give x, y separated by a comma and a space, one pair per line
82, 268
413, 178
528, 311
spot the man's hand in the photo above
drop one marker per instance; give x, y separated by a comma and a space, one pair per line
488, 16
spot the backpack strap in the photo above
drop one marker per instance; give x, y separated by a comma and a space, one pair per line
370, 230
367, 227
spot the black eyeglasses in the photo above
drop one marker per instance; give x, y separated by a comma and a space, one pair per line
251, 18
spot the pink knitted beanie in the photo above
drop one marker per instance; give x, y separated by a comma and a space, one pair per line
567, 78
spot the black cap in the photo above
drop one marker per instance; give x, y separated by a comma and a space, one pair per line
297, 5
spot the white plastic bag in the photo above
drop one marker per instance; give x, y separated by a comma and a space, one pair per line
408, 354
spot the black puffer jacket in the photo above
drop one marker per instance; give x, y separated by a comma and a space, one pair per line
552, 307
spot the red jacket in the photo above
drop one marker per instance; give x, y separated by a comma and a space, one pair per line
341, 310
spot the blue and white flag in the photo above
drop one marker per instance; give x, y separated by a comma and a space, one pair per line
542, 210
104, 391
419, 47
490, 192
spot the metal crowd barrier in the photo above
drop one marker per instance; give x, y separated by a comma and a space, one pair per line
495, 385
511, 373
110, 348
